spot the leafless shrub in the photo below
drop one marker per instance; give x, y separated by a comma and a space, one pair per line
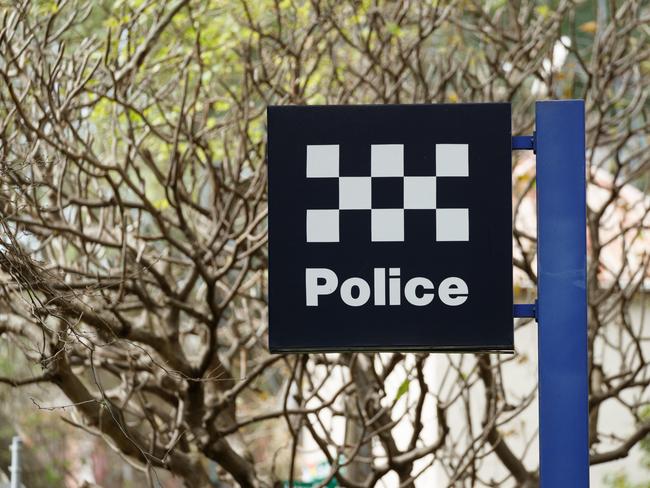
133, 213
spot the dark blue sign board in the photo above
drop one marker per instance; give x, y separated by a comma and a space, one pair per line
390, 228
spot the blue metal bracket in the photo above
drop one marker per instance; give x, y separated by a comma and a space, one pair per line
523, 142
525, 310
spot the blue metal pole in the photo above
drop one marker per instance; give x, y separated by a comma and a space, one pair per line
562, 294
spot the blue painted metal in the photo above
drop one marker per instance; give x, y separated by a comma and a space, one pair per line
523, 310
562, 302
523, 142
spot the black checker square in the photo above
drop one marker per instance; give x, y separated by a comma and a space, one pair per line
354, 223
390, 228
420, 224
323, 193
388, 192
419, 159
354, 160
452, 192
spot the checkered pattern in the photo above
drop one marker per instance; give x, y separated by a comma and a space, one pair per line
387, 161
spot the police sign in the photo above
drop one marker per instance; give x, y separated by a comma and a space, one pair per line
390, 228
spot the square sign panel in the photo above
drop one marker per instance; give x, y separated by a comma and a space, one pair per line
390, 228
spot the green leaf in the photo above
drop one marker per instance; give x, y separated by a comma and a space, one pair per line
394, 29
403, 388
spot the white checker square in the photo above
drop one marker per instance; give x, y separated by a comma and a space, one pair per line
420, 192
387, 225
452, 224
323, 161
387, 160
355, 193
452, 160
322, 226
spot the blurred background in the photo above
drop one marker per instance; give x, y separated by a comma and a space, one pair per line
133, 256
